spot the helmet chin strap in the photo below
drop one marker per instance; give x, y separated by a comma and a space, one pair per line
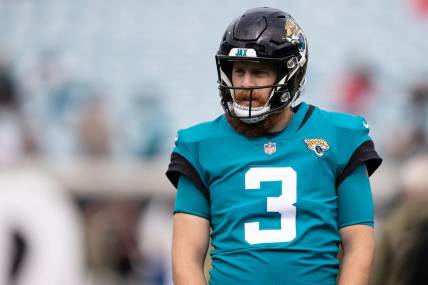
256, 116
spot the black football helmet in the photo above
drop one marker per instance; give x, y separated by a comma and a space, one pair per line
263, 35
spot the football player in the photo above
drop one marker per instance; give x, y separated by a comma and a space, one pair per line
277, 185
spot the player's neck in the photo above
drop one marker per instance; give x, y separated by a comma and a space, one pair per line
283, 120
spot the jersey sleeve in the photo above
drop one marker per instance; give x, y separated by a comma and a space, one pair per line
190, 200
185, 162
355, 202
358, 149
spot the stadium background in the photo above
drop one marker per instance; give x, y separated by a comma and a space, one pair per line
92, 93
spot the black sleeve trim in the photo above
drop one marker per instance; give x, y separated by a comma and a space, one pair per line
366, 154
181, 166
307, 115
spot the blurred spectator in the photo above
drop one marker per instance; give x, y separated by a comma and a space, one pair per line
155, 231
414, 178
144, 125
419, 110
94, 136
402, 247
55, 96
112, 247
66, 106
413, 139
40, 240
8, 98
410, 180
357, 88
402, 250
420, 7
37, 210
14, 140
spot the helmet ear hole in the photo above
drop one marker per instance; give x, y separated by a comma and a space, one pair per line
292, 62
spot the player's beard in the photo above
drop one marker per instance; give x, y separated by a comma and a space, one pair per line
257, 129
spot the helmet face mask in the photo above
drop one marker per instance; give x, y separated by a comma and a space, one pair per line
266, 36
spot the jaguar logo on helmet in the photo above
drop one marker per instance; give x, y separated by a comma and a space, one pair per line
292, 30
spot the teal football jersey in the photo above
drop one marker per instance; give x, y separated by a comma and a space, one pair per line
273, 199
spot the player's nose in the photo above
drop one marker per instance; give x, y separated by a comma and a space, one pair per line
247, 80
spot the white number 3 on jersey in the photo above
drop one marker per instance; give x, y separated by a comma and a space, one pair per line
282, 204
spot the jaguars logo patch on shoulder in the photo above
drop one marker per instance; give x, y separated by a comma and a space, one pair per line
319, 146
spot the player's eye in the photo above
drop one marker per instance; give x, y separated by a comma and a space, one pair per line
260, 72
238, 71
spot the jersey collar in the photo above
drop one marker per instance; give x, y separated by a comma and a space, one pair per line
299, 110
295, 123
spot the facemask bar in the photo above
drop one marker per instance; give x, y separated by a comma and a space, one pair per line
275, 88
225, 84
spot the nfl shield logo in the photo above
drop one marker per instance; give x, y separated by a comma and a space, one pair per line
270, 148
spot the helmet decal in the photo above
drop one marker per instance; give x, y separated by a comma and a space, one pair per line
292, 30
243, 52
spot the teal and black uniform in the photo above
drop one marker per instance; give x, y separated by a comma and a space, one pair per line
276, 202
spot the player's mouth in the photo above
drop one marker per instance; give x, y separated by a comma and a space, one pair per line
247, 101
